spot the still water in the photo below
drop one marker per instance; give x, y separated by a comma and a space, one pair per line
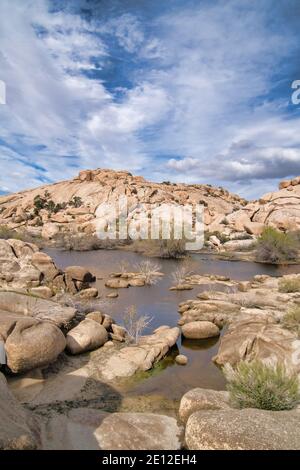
167, 378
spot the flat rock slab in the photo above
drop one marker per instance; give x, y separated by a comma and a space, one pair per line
41, 309
142, 356
247, 429
138, 431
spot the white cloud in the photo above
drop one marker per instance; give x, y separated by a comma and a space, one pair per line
195, 95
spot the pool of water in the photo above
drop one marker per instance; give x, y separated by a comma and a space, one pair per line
167, 378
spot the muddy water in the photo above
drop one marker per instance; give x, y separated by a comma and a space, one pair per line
167, 379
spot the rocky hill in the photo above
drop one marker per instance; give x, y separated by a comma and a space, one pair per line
70, 206
279, 209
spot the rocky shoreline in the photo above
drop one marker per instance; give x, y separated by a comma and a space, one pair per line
65, 360
65, 367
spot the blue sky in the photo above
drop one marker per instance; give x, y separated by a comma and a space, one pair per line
181, 90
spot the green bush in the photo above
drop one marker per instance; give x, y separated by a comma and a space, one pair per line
257, 385
291, 319
289, 285
6, 233
76, 201
274, 246
44, 202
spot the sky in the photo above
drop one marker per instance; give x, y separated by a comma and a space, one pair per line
179, 90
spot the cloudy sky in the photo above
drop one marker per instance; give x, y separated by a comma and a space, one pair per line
181, 90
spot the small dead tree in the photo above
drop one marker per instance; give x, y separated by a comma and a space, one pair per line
135, 324
150, 271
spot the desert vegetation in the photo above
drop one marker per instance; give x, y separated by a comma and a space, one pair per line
150, 271
180, 274
161, 248
291, 319
289, 285
135, 324
274, 246
258, 385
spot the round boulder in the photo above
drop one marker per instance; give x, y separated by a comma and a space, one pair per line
79, 273
86, 336
32, 344
200, 330
181, 359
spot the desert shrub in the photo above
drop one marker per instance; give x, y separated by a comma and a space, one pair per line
76, 201
39, 203
171, 248
83, 242
274, 246
135, 324
258, 385
296, 235
160, 248
6, 233
180, 274
289, 285
44, 202
150, 270
291, 319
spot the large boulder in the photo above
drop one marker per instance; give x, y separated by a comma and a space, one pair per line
78, 273
200, 330
246, 429
45, 265
202, 399
21, 304
86, 336
138, 431
258, 337
88, 293
32, 344
15, 433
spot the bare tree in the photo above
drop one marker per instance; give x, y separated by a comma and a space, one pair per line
135, 324
124, 266
150, 271
180, 274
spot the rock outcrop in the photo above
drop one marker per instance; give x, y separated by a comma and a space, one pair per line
258, 337
30, 329
71, 206
279, 209
23, 266
254, 312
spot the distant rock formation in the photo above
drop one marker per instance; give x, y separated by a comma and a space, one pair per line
70, 206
